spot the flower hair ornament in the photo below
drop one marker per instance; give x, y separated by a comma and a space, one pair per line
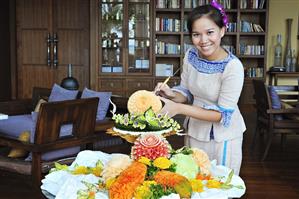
219, 7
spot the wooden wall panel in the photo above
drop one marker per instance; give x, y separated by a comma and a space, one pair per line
34, 13
71, 14
35, 75
69, 19
33, 20
72, 27
34, 47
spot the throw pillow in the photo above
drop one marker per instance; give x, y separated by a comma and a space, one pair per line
276, 104
20, 153
103, 101
37, 107
60, 94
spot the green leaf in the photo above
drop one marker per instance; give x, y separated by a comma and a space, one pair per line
229, 178
239, 186
151, 171
159, 191
59, 166
226, 186
172, 168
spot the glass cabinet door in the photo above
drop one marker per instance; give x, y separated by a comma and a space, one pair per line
139, 37
111, 26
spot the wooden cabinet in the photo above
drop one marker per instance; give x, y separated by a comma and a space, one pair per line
134, 84
37, 21
115, 85
124, 48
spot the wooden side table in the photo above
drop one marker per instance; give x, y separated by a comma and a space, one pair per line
273, 76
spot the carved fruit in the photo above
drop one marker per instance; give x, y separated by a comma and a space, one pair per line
127, 182
142, 100
180, 183
151, 146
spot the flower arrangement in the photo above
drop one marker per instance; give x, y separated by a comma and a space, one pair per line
176, 173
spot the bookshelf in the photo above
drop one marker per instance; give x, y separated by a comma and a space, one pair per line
153, 39
246, 36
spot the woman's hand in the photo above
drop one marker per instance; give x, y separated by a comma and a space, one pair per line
163, 90
170, 108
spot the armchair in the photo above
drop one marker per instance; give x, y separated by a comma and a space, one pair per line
267, 116
51, 116
81, 113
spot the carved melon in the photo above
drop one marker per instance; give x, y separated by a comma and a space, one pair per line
142, 100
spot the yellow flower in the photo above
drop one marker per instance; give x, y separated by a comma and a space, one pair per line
213, 184
145, 160
109, 182
197, 185
80, 170
143, 191
96, 171
162, 163
149, 182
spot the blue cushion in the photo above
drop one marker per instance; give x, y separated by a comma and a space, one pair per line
52, 155
103, 101
276, 104
15, 125
60, 94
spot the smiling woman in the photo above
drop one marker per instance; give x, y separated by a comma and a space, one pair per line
206, 37
211, 83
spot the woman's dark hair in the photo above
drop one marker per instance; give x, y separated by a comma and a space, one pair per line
205, 10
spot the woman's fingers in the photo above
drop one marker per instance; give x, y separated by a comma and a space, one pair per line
164, 100
158, 88
168, 108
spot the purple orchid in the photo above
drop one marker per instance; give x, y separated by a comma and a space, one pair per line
219, 7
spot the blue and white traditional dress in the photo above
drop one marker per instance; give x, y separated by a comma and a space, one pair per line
215, 85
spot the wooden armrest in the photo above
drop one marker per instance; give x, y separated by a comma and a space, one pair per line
67, 141
283, 111
14, 143
16, 107
103, 125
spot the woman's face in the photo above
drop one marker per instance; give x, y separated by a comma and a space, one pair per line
206, 37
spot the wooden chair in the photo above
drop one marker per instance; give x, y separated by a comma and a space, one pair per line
80, 112
266, 120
